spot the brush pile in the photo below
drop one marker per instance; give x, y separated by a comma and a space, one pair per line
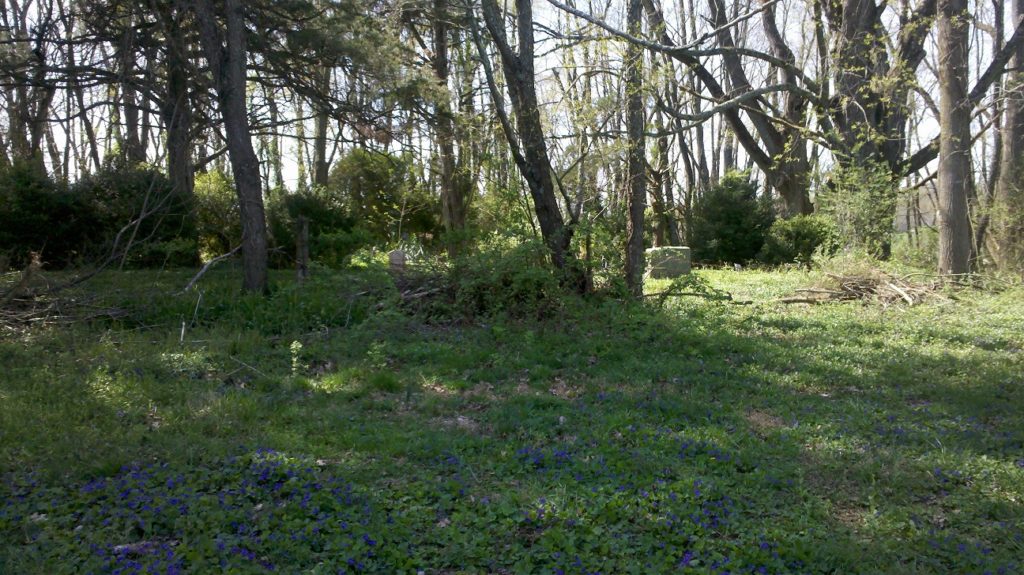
877, 286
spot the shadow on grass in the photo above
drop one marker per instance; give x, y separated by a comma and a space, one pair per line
612, 439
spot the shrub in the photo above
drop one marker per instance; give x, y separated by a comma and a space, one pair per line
506, 277
730, 221
862, 199
118, 196
217, 216
797, 239
381, 192
333, 234
39, 215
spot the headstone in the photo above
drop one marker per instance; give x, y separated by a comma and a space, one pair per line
668, 262
396, 261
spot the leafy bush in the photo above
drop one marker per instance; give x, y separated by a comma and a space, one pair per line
333, 234
862, 199
797, 239
334, 249
381, 192
164, 236
730, 221
217, 214
39, 215
79, 222
506, 277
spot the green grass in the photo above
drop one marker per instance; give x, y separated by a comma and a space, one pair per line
321, 432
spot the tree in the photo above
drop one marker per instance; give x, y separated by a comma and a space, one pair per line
527, 142
222, 34
636, 172
1008, 229
955, 140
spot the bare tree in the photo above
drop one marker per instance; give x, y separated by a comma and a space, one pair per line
1009, 191
527, 142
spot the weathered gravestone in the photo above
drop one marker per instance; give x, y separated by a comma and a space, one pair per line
396, 261
668, 262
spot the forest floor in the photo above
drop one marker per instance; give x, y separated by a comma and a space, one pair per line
313, 432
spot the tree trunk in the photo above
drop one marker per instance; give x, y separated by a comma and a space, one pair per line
321, 169
529, 149
636, 177
177, 119
453, 213
225, 51
1008, 224
955, 143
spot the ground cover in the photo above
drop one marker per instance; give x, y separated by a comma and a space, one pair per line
322, 430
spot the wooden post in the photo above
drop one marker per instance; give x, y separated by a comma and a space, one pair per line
302, 248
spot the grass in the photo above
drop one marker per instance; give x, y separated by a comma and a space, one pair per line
321, 432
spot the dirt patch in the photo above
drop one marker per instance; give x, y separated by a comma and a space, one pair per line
563, 390
763, 422
459, 422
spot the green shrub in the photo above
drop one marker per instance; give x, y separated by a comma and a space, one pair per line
335, 249
333, 234
730, 221
382, 193
218, 220
861, 200
39, 215
165, 236
506, 277
797, 239
72, 224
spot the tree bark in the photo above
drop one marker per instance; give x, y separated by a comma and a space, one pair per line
177, 119
529, 148
1008, 224
321, 168
955, 141
226, 53
637, 176
453, 212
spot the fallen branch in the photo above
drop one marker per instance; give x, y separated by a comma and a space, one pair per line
875, 285
206, 268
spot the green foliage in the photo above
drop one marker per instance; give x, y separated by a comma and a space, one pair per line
917, 249
381, 193
217, 215
72, 224
38, 215
730, 221
334, 235
862, 199
164, 237
612, 437
797, 239
506, 277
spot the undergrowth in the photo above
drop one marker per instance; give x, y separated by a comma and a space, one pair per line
326, 429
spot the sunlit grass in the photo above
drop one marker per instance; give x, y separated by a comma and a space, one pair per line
701, 437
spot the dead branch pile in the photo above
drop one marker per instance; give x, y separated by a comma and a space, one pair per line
32, 302
422, 286
877, 286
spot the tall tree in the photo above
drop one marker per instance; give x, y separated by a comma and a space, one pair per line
955, 144
1008, 229
453, 196
526, 141
222, 34
636, 199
